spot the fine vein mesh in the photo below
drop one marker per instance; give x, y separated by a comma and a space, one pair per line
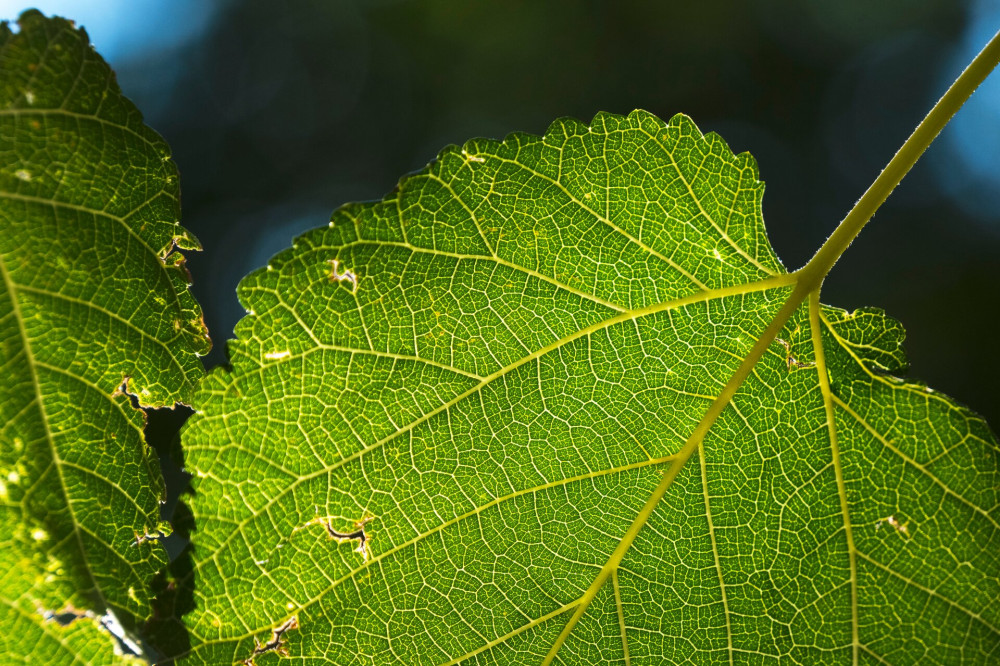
93, 300
487, 374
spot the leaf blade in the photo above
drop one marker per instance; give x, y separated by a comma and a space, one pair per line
95, 312
493, 514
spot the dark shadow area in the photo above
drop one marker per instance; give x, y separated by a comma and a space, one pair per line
165, 635
162, 432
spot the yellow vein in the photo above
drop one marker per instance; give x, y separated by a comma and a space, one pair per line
512, 634
609, 223
89, 384
128, 565
715, 548
290, 308
495, 259
501, 500
81, 116
430, 175
267, 364
892, 447
165, 344
760, 347
905, 386
933, 593
762, 285
364, 322
824, 384
396, 357
129, 499
264, 460
621, 617
470, 514
704, 213
66, 205
46, 626
13, 420
68, 95
56, 205
914, 389
877, 657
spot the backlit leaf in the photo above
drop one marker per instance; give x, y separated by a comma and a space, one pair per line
93, 306
462, 426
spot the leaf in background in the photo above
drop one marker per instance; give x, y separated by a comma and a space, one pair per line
93, 298
450, 412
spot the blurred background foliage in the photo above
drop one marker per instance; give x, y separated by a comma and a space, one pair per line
279, 112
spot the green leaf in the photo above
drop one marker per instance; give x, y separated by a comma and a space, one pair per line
94, 306
513, 414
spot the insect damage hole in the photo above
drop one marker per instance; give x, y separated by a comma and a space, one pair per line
162, 531
108, 622
790, 359
133, 397
347, 275
276, 644
358, 534
472, 158
893, 522
66, 616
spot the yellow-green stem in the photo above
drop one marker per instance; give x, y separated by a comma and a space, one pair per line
812, 274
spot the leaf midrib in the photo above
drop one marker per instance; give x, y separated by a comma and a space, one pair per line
807, 282
56, 459
804, 285
677, 460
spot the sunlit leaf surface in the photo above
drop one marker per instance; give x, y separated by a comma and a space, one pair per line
93, 306
447, 410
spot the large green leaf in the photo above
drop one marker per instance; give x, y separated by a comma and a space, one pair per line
470, 424
93, 306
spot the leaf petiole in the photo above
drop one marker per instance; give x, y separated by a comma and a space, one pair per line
813, 273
